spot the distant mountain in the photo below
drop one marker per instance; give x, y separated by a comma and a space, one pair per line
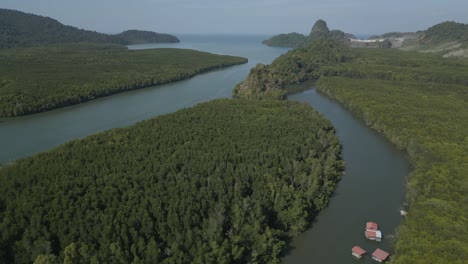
319, 30
19, 29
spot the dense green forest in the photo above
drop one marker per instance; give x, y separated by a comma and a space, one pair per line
38, 79
420, 103
227, 181
19, 29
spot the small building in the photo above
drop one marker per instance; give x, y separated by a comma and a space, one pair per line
373, 235
380, 255
372, 226
358, 252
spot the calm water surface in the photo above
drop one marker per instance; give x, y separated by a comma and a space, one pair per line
28, 135
372, 189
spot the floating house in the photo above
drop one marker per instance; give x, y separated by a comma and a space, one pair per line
358, 252
372, 232
380, 255
374, 235
372, 226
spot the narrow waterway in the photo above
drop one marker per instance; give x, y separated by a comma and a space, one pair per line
372, 189
25, 136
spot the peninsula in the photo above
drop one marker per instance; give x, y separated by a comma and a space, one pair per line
66, 65
65, 75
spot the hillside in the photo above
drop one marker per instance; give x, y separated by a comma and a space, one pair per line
447, 38
19, 29
445, 32
228, 181
63, 75
418, 101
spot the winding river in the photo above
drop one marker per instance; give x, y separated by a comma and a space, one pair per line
371, 189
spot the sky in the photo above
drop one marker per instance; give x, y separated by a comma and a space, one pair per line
266, 17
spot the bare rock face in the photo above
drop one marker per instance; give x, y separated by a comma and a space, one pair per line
319, 31
320, 27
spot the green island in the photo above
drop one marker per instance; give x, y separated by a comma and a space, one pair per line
419, 101
38, 79
289, 40
228, 181
19, 29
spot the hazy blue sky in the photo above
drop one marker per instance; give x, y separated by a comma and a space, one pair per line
246, 16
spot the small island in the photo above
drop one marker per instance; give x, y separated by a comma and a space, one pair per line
141, 36
290, 40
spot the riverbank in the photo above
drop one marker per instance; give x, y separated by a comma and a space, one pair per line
429, 124
372, 189
41, 79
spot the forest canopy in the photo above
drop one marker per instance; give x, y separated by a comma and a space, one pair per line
223, 182
38, 79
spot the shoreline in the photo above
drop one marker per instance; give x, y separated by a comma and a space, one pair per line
86, 98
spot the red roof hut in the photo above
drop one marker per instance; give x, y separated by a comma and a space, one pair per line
373, 235
380, 255
373, 232
358, 252
372, 226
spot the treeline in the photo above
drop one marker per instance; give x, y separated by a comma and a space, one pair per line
419, 102
38, 79
227, 181
19, 29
